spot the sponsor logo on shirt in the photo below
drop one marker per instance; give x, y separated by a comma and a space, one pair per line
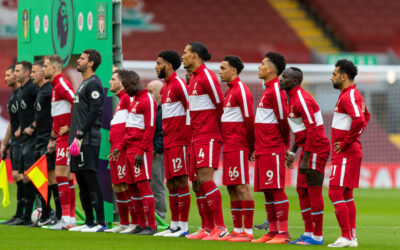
23, 104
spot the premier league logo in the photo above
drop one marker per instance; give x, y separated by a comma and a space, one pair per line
62, 28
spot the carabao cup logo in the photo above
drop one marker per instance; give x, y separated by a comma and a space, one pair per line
25, 23
63, 28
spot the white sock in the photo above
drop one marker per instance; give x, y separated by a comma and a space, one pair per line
249, 230
317, 238
238, 230
174, 225
66, 219
308, 234
353, 232
184, 225
72, 220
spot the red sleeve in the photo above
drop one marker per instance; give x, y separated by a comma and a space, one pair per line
123, 143
307, 113
182, 92
66, 91
281, 110
353, 108
213, 89
246, 106
150, 112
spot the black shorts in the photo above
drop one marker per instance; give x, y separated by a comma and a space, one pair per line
41, 149
87, 160
15, 149
26, 154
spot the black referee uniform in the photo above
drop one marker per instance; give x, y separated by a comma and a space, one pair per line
26, 112
44, 123
85, 124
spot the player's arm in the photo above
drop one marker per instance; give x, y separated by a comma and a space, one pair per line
51, 146
5, 141
281, 110
290, 154
182, 92
213, 89
67, 93
246, 106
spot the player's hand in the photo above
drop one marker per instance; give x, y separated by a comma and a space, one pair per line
303, 167
252, 156
337, 147
114, 155
51, 146
289, 160
18, 132
138, 160
75, 148
28, 131
63, 130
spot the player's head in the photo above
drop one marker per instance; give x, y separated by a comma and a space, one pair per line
154, 87
52, 66
195, 53
230, 68
22, 71
114, 67
271, 66
290, 78
9, 78
345, 71
116, 81
37, 72
131, 82
89, 60
168, 61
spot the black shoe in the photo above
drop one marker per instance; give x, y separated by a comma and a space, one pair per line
43, 221
136, 230
20, 222
33, 225
147, 231
12, 219
262, 226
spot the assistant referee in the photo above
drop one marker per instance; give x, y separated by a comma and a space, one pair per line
85, 135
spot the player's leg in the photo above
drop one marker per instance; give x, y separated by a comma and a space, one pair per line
281, 204
72, 194
148, 207
84, 195
351, 206
271, 216
62, 172
123, 200
157, 184
181, 184
173, 194
53, 187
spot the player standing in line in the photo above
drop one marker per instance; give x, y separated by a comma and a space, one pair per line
61, 107
84, 140
118, 168
305, 121
11, 134
205, 108
43, 130
138, 143
26, 130
174, 100
238, 133
272, 139
350, 118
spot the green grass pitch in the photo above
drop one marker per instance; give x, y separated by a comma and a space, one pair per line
378, 222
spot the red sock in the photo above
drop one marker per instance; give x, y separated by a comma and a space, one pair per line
281, 203
184, 203
72, 197
207, 213
351, 206
123, 207
341, 210
63, 190
173, 204
305, 208
248, 213
317, 209
271, 214
236, 210
139, 217
200, 208
148, 202
214, 202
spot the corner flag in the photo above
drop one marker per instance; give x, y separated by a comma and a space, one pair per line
37, 173
4, 184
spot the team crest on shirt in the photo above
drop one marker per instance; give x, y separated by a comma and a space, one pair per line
76, 99
261, 104
134, 108
194, 89
23, 104
228, 104
168, 98
95, 94
53, 99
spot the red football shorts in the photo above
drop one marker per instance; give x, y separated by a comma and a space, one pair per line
316, 161
175, 162
118, 169
136, 174
269, 172
192, 169
61, 151
207, 154
345, 172
235, 167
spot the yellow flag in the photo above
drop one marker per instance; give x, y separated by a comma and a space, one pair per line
4, 184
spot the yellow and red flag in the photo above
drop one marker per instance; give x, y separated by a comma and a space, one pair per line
4, 184
37, 173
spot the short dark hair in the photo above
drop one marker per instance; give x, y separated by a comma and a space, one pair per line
201, 50
130, 77
278, 60
39, 63
94, 56
27, 66
347, 67
172, 57
12, 67
120, 73
299, 74
235, 62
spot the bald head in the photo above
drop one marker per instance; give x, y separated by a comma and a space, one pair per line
154, 88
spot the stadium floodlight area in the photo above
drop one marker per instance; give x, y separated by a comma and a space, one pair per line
380, 86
